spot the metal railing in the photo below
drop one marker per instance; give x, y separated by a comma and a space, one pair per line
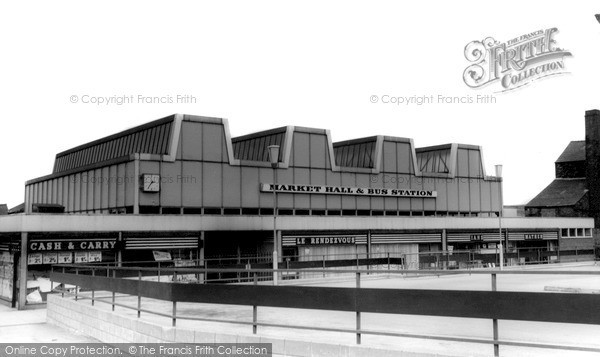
521, 306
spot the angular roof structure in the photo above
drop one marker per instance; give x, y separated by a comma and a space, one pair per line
575, 151
561, 192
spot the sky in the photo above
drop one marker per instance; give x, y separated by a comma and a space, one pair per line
266, 64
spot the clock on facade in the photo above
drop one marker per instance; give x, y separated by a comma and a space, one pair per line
150, 183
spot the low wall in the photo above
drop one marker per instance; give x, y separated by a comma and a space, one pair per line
111, 327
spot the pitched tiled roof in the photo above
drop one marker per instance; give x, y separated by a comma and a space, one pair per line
575, 151
561, 192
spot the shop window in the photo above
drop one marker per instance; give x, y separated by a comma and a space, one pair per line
363, 212
285, 212
429, 213
391, 213
416, 213
318, 212
403, 213
377, 213
333, 212
302, 212
348, 212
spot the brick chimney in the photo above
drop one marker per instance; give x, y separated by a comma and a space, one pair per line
592, 159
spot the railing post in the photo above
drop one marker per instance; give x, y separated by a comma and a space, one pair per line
159, 271
388, 258
113, 292
76, 286
358, 313
63, 285
174, 313
495, 321
255, 309
323, 265
139, 305
93, 274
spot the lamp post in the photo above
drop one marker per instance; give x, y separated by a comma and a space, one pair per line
274, 158
499, 175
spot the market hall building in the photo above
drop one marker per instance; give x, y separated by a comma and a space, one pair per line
181, 186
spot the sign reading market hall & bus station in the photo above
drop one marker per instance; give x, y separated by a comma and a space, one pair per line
346, 190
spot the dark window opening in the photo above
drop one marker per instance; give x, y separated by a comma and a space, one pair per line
231, 211
212, 210
250, 211
266, 211
149, 209
171, 210
192, 210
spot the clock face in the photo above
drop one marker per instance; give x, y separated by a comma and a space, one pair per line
151, 183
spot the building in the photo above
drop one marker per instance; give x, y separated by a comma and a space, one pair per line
181, 186
575, 192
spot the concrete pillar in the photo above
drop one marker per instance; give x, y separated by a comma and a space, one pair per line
444, 240
136, 189
368, 244
279, 246
23, 271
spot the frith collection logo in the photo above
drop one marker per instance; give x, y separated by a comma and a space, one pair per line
514, 63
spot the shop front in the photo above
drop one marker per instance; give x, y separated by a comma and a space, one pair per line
44, 250
533, 246
9, 261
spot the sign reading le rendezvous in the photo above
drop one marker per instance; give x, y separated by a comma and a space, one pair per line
345, 190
